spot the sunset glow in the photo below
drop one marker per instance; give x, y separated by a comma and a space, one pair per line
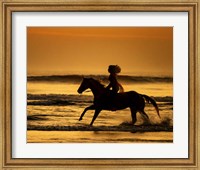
89, 50
61, 60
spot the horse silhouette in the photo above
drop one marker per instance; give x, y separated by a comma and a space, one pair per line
103, 98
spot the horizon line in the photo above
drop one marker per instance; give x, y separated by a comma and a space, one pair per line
131, 75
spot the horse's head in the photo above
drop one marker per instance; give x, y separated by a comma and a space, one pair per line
84, 85
96, 87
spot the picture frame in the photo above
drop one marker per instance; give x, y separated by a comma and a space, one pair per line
191, 7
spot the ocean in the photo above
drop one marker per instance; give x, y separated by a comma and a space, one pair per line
54, 107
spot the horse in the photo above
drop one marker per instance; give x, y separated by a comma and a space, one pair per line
103, 96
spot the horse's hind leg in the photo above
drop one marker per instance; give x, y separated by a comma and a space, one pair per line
85, 110
144, 114
97, 111
133, 115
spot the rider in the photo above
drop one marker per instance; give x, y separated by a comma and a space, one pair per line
114, 85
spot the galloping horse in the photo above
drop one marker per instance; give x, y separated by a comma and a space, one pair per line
102, 97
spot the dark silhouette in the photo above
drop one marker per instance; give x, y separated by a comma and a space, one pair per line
131, 99
114, 84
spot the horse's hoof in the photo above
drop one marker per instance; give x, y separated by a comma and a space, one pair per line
80, 119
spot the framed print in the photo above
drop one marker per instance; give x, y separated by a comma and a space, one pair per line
108, 84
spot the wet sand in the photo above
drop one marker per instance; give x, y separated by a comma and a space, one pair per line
34, 136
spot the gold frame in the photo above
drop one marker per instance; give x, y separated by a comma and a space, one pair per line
9, 6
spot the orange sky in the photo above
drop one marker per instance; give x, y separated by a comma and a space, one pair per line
89, 50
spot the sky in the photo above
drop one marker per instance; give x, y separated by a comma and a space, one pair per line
90, 50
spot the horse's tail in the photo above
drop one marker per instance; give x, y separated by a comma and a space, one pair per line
149, 99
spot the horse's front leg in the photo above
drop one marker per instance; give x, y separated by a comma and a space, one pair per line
97, 111
85, 110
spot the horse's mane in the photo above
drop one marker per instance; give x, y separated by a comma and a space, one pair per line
98, 83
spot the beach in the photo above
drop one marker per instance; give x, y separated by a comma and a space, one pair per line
98, 137
54, 108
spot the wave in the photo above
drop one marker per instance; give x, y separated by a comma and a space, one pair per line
103, 78
125, 128
58, 99
63, 100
